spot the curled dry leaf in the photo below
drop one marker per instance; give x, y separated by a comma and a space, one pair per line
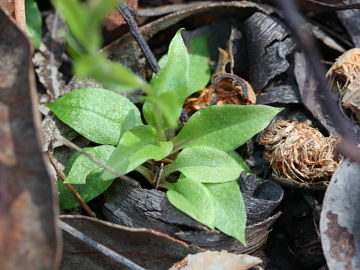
345, 78
299, 152
226, 88
217, 260
28, 232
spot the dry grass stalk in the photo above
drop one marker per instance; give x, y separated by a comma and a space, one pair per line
297, 151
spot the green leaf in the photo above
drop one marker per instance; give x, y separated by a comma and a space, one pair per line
240, 161
97, 114
199, 67
205, 164
193, 199
200, 72
225, 127
83, 166
173, 77
94, 185
110, 74
230, 217
33, 22
135, 147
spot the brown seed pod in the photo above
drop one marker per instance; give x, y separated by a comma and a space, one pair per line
300, 155
226, 88
345, 78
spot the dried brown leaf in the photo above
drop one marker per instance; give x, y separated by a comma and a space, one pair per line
28, 232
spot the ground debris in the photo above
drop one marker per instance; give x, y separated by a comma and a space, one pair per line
217, 260
345, 78
226, 88
299, 152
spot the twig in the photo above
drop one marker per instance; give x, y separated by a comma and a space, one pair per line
116, 257
73, 146
159, 176
20, 16
348, 144
71, 188
126, 12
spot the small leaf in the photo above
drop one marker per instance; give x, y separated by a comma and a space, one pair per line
83, 166
94, 185
200, 72
135, 147
205, 164
97, 114
225, 127
230, 217
172, 78
199, 67
167, 103
33, 22
193, 199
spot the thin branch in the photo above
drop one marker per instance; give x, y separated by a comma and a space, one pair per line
71, 188
127, 13
348, 144
73, 146
116, 257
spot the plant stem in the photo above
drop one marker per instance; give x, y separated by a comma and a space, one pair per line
73, 146
71, 188
127, 13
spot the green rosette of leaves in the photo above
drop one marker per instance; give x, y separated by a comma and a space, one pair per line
202, 151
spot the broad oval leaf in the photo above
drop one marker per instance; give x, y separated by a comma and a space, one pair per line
193, 199
94, 185
136, 146
225, 127
82, 165
205, 165
172, 78
230, 212
97, 114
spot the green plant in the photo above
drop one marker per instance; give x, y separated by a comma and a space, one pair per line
33, 22
203, 151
